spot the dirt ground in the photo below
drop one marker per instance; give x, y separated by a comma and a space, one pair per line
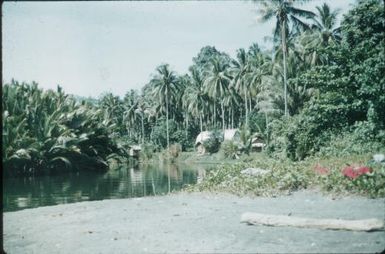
191, 223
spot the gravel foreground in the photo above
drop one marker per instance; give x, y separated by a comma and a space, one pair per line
191, 223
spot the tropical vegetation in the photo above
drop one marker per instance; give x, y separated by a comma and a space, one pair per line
319, 93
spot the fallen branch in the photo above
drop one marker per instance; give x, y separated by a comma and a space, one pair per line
335, 224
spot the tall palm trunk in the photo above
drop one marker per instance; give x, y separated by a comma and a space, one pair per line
215, 116
168, 141
200, 121
250, 106
186, 124
283, 33
267, 128
246, 107
142, 129
223, 116
229, 118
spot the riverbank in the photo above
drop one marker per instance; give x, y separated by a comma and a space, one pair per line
258, 174
191, 223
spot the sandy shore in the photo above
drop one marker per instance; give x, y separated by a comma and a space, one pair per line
190, 223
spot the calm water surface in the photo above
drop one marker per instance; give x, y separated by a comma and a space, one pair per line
125, 182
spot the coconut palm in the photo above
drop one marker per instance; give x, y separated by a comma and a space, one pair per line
113, 109
285, 14
164, 84
239, 69
297, 95
259, 66
217, 83
195, 98
325, 23
323, 32
232, 100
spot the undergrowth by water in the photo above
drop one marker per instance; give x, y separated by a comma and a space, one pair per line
285, 176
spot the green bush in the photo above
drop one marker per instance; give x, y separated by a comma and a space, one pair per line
369, 184
372, 184
175, 150
347, 143
179, 137
147, 152
285, 176
230, 149
213, 143
307, 134
159, 133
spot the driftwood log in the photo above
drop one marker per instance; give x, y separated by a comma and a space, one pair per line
335, 224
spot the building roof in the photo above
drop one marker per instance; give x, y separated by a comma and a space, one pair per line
203, 136
230, 134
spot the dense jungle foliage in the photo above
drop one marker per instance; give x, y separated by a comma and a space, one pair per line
319, 91
48, 131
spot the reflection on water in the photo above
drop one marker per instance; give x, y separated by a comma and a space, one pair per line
146, 180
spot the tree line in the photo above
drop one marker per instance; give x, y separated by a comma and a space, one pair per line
320, 83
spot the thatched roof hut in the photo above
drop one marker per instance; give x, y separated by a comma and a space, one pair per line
232, 135
134, 150
228, 134
257, 143
202, 137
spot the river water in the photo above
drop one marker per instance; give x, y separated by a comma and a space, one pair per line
124, 182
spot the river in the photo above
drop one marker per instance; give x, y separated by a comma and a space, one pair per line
123, 182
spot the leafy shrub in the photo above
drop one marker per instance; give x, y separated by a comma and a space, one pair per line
372, 184
357, 140
245, 136
257, 122
230, 149
159, 134
367, 179
213, 143
179, 137
175, 150
286, 176
147, 151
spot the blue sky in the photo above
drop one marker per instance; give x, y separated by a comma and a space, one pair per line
94, 47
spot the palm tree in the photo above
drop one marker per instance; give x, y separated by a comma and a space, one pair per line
285, 13
297, 95
239, 70
113, 109
164, 86
326, 24
217, 83
194, 97
259, 67
323, 32
232, 100
44, 130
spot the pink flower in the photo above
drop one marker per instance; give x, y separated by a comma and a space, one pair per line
354, 172
349, 172
321, 170
364, 170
